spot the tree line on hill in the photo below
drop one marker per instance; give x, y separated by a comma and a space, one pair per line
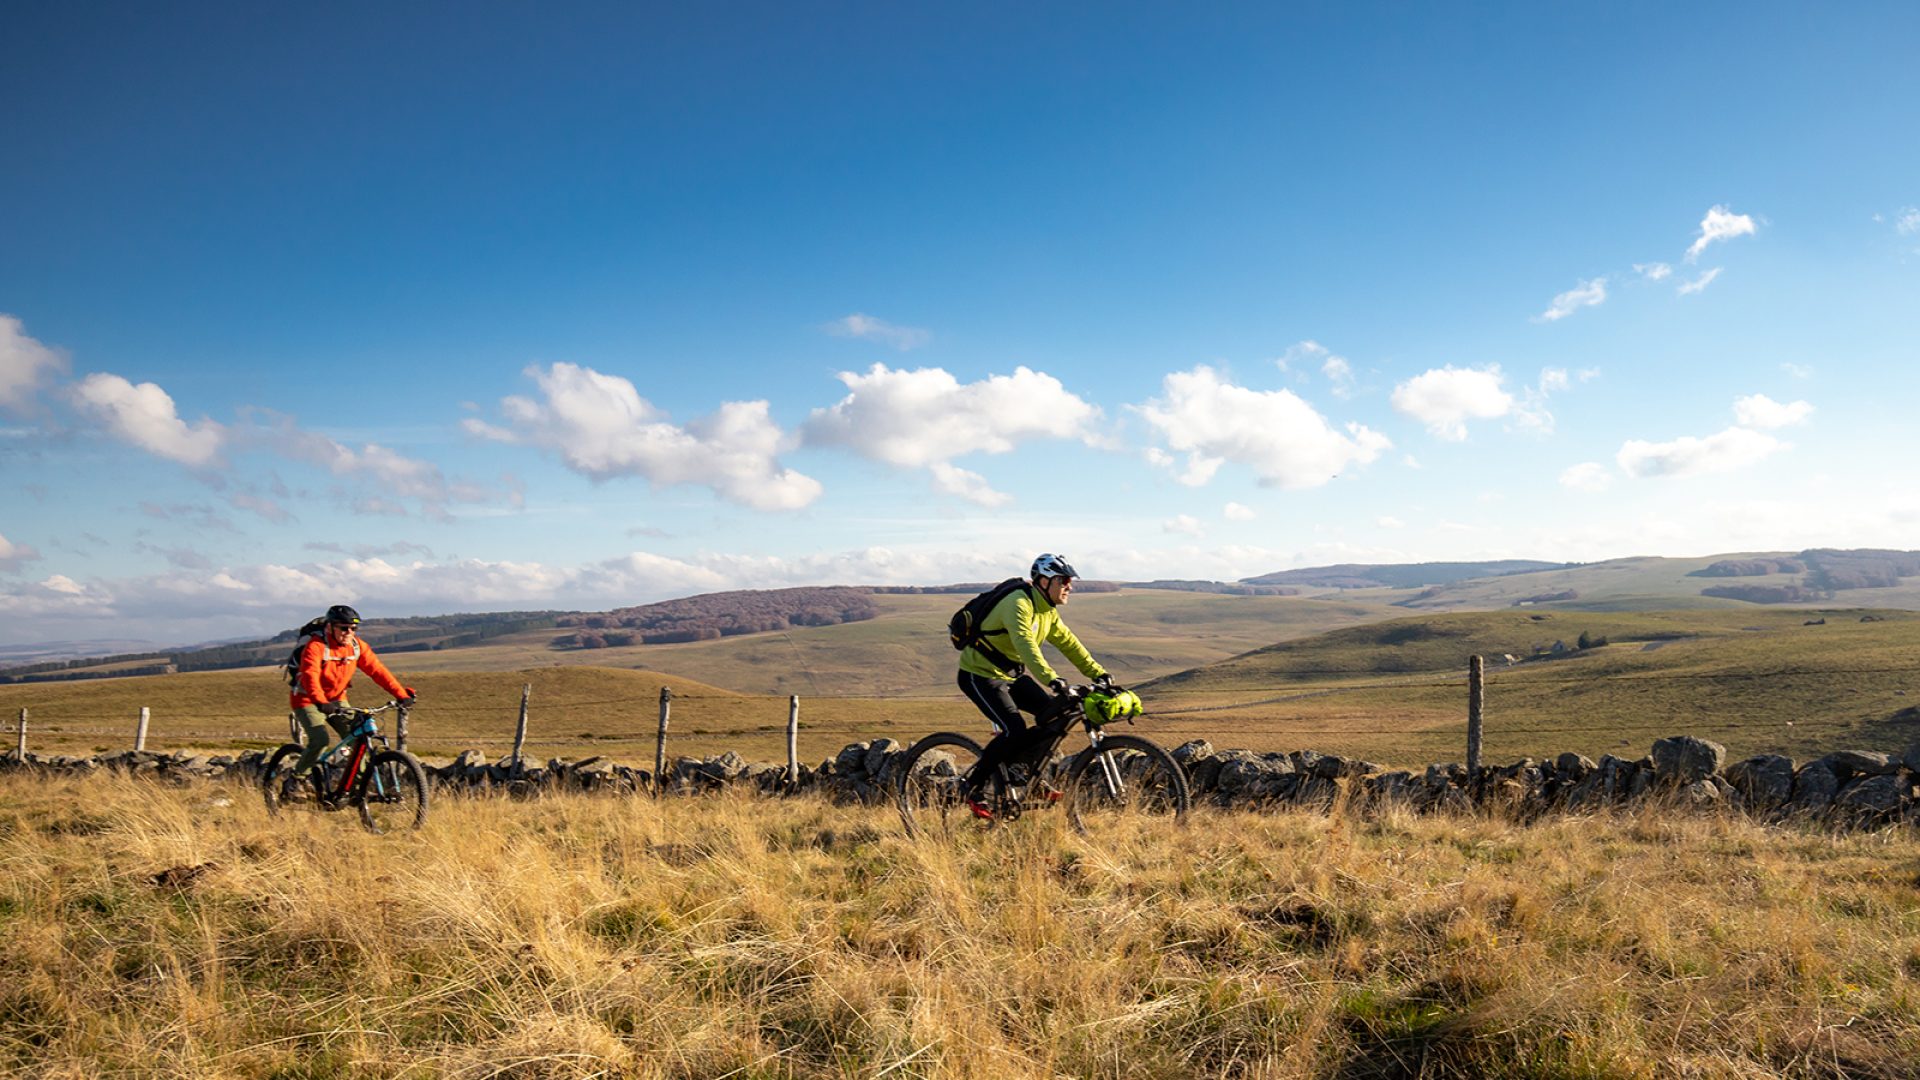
717, 615
1824, 571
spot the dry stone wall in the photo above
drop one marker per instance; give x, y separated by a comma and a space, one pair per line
1855, 787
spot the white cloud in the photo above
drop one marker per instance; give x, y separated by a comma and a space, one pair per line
924, 418
1233, 511
1531, 413
1907, 222
1734, 448
1390, 522
950, 479
1719, 224
868, 328
1185, 524
601, 427
144, 416
1655, 271
13, 556
1699, 284
1798, 371
1340, 374
1412, 462
1445, 398
1282, 438
1761, 411
1586, 294
1301, 352
393, 472
24, 365
1587, 476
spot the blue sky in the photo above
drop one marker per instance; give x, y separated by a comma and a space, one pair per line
471, 306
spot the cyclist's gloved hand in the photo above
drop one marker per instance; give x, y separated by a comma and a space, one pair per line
1058, 686
328, 708
1103, 680
409, 695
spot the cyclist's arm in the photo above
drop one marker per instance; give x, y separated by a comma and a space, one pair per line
371, 664
1062, 638
1023, 636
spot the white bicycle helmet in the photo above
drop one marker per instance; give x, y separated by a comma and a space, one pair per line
1050, 565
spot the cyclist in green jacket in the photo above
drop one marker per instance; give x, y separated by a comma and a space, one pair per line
1004, 672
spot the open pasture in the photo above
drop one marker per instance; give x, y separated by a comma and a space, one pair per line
179, 932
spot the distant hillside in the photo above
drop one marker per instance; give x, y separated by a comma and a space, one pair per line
1400, 575
717, 615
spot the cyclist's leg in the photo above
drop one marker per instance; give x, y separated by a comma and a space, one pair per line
319, 727
995, 699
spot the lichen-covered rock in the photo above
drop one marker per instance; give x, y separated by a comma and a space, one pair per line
876, 760
1683, 759
1766, 780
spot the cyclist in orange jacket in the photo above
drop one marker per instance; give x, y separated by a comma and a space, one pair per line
327, 664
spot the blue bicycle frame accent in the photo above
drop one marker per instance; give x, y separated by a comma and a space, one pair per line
364, 733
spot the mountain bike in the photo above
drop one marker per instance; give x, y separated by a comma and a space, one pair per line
387, 786
1113, 777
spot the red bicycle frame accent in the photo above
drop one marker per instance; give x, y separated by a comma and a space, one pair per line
353, 769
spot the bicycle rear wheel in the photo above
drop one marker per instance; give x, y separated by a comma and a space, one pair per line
277, 785
931, 787
393, 793
1124, 777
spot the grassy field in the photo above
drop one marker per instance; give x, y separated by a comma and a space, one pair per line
179, 932
1393, 692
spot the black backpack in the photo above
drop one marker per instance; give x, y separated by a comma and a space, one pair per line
964, 627
305, 634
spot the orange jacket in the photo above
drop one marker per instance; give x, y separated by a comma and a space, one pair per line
325, 672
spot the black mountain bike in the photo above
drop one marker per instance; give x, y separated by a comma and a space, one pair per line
387, 786
1114, 776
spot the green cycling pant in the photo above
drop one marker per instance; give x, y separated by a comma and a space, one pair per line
319, 734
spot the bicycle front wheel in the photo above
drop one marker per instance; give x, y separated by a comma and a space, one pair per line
931, 788
393, 793
1124, 777
277, 783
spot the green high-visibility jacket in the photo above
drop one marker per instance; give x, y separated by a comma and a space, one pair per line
1016, 626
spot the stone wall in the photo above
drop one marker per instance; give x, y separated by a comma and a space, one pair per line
1854, 787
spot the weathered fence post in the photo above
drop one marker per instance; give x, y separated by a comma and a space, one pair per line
660, 743
140, 733
1476, 712
793, 740
520, 730
20, 749
400, 730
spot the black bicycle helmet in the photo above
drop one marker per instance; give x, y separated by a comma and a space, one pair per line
1053, 566
344, 615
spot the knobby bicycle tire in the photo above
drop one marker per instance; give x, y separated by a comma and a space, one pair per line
393, 793
929, 790
271, 780
1150, 782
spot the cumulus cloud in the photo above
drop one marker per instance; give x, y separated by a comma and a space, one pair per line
1445, 398
1761, 411
924, 418
1734, 448
1185, 524
1233, 511
25, 365
1719, 224
143, 415
1699, 284
868, 328
1654, 271
601, 427
1390, 522
13, 556
393, 473
1907, 221
1338, 370
1282, 438
949, 479
1587, 476
1798, 371
1586, 294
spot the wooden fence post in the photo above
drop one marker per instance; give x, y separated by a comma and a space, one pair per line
520, 730
400, 730
140, 733
793, 740
1476, 712
20, 749
660, 743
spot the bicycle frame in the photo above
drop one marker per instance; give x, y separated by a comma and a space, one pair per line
361, 738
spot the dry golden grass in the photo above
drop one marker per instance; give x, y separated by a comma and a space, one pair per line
734, 937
